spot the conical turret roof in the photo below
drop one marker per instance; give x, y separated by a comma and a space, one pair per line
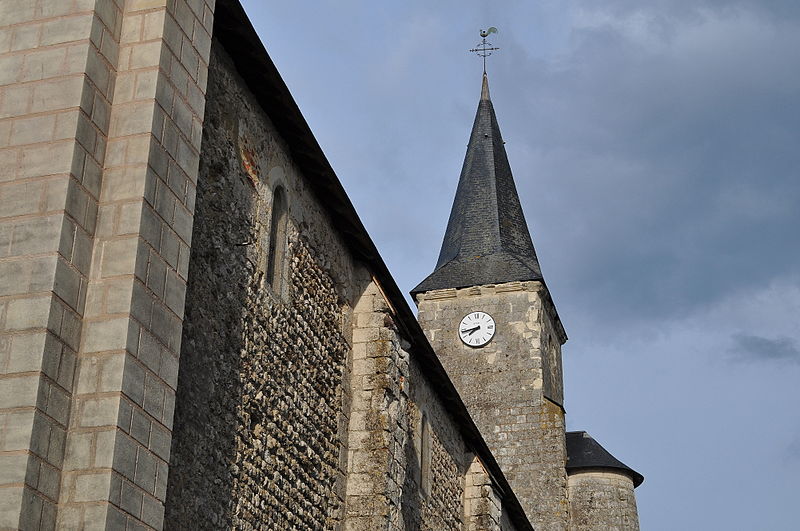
584, 452
487, 240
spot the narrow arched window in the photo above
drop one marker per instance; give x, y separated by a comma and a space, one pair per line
277, 238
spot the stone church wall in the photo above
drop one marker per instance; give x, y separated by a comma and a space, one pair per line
400, 424
299, 405
102, 106
261, 390
386, 434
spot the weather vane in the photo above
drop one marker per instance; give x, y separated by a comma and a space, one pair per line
484, 48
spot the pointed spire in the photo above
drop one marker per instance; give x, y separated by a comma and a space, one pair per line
485, 88
487, 240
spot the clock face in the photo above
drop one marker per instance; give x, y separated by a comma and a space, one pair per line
476, 329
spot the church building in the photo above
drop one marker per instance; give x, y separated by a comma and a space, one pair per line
197, 331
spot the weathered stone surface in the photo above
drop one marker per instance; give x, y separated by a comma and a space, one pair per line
401, 475
512, 386
602, 499
256, 435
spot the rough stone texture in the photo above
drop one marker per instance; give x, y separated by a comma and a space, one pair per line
439, 504
261, 389
379, 426
259, 394
602, 499
386, 463
298, 405
524, 429
260, 385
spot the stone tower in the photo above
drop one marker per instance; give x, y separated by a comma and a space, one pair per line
600, 487
489, 315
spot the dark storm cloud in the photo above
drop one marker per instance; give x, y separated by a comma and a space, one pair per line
669, 157
761, 349
694, 9
654, 143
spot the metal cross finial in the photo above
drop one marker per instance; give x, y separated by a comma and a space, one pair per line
484, 48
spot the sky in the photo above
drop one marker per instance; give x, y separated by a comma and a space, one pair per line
656, 150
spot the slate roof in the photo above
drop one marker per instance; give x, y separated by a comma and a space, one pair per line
584, 452
487, 240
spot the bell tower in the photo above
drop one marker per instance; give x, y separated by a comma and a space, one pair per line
489, 315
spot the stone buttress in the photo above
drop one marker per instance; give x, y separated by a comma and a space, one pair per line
102, 109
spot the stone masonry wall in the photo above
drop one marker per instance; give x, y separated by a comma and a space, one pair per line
442, 506
390, 395
56, 85
602, 499
279, 422
378, 433
503, 385
392, 399
100, 113
117, 446
483, 506
262, 390
260, 393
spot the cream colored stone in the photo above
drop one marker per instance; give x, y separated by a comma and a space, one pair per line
66, 29
92, 487
57, 94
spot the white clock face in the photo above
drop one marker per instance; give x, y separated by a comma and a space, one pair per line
476, 329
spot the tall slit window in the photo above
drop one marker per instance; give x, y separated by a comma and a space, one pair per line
277, 238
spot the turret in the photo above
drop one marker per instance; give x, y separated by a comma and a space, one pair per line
600, 486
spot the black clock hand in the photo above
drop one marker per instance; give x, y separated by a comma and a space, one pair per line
471, 330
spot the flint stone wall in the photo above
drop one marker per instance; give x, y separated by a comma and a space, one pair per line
602, 499
262, 394
440, 508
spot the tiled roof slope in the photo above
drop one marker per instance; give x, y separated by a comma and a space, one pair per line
487, 240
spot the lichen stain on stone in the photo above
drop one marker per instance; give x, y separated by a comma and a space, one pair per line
249, 161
